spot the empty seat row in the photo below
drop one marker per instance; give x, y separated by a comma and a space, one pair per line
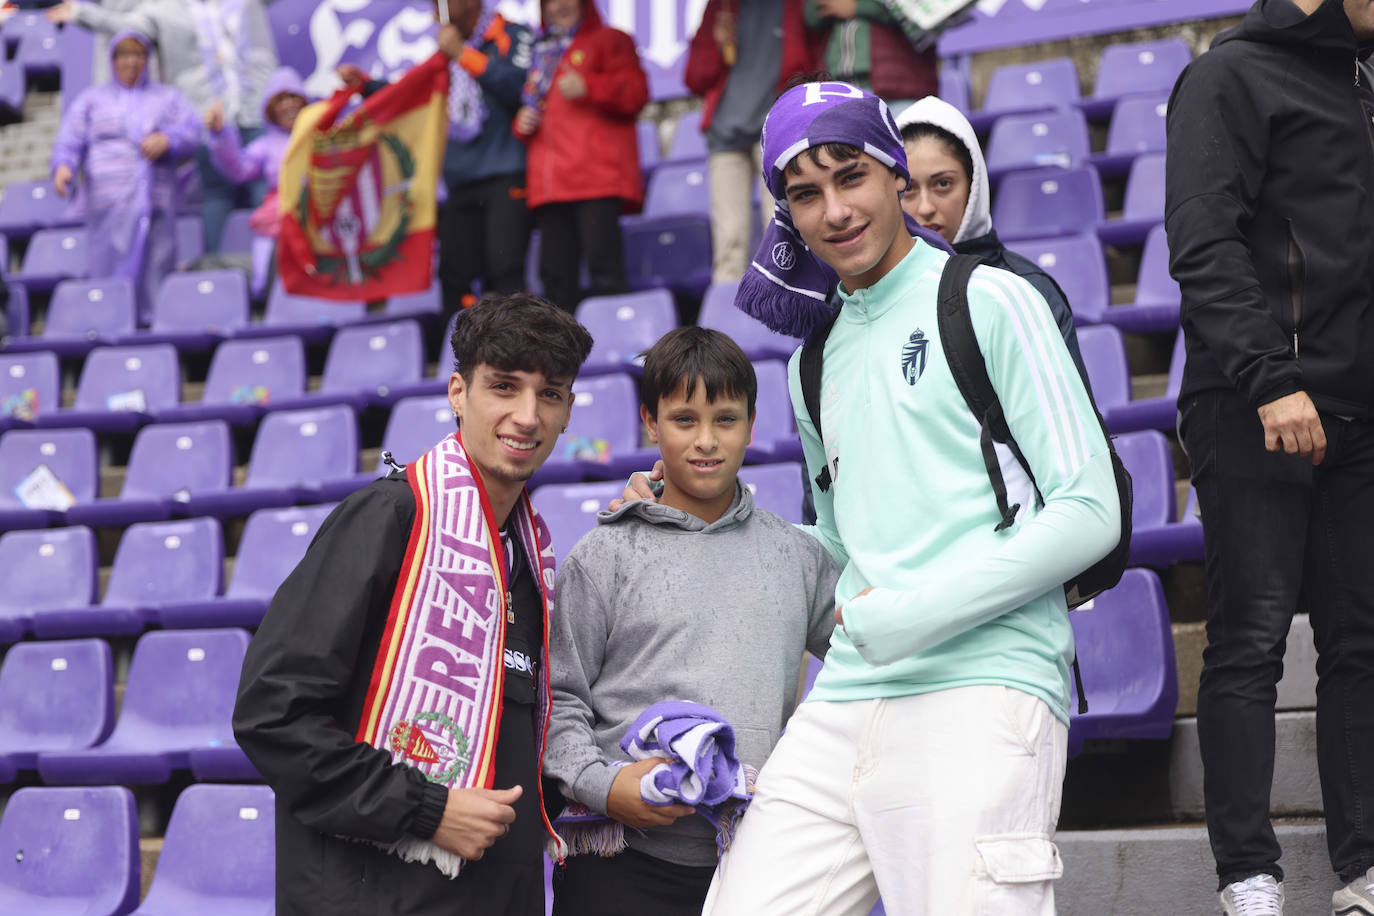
1060, 138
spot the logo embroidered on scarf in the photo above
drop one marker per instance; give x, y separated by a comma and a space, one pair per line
914, 356
432, 738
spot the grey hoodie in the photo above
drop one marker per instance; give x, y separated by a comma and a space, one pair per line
655, 604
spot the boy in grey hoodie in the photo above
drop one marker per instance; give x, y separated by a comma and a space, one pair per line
700, 597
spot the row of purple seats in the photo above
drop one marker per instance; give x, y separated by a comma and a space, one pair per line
164, 573
176, 712
28, 206
1104, 356
669, 243
77, 852
1060, 138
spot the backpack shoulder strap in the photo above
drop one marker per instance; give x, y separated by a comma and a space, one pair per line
809, 367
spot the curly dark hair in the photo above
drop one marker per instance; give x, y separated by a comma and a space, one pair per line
519, 333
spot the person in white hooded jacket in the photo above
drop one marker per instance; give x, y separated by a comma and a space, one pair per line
949, 194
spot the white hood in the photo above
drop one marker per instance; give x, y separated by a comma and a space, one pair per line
930, 110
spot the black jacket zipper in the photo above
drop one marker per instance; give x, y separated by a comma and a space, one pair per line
1296, 276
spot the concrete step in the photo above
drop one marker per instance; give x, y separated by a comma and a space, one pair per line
1297, 689
1296, 790
1170, 870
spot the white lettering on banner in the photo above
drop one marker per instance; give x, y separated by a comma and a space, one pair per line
330, 40
406, 39
818, 92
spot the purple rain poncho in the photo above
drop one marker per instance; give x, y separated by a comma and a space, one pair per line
130, 202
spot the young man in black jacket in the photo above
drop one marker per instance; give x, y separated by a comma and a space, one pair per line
396, 695
1270, 216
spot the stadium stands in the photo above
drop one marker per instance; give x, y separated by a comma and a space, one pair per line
54, 696
55, 568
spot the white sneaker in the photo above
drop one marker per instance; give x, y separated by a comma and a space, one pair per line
1356, 898
1259, 895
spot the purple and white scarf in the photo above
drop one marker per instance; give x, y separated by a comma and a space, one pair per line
467, 109
549, 49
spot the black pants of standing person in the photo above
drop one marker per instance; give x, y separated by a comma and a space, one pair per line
571, 232
484, 234
1282, 535
629, 884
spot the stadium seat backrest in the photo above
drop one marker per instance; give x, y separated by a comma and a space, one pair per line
1145, 188
52, 568
427, 302
91, 308
570, 509
283, 308
776, 487
688, 140
1155, 284
1077, 265
58, 252
30, 204
256, 371
304, 446
416, 425
624, 326
190, 238
954, 88
171, 459
773, 416
1146, 455
56, 696
1138, 125
1148, 66
374, 356
118, 378
678, 189
211, 300
1024, 87
183, 681
1104, 356
1123, 641
167, 561
718, 311
1052, 138
1048, 202
68, 453
650, 150
273, 542
606, 407
220, 845
30, 384
70, 846
237, 237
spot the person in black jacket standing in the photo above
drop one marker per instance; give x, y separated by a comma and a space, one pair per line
1270, 221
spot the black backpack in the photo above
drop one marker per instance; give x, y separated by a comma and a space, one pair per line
971, 375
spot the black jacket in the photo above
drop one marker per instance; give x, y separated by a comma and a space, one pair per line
1269, 213
302, 693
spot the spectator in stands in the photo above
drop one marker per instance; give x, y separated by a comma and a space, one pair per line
375, 699
741, 57
621, 642
949, 195
282, 100
585, 89
1269, 202
484, 228
126, 137
866, 44
209, 49
946, 683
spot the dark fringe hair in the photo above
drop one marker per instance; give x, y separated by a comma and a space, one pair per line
924, 129
688, 355
519, 333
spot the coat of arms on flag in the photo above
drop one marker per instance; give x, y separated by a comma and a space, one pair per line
358, 191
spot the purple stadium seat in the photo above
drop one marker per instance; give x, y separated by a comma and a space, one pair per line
443, 370
17, 308
602, 441
775, 427
670, 243
312, 319
179, 696
11, 90
1104, 356
298, 456
688, 143
1024, 88
1151, 413
40, 50
1126, 651
1137, 128
1077, 265
30, 384
238, 235
415, 426
1156, 306
196, 310
1048, 202
650, 150
1057, 138
28, 206
70, 852
120, 388
53, 568
777, 488
678, 189
363, 364
53, 255
954, 88
190, 239
273, 542
570, 509
756, 339
246, 377
427, 304
1143, 208
54, 696
1135, 69
156, 563
623, 327
168, 463
218, 855
1147, 456
29, 459
84, 314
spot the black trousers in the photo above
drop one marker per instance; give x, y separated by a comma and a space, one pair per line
570, 232
484, 234
629, 884
1280, 535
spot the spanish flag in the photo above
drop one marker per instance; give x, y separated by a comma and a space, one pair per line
357, 192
